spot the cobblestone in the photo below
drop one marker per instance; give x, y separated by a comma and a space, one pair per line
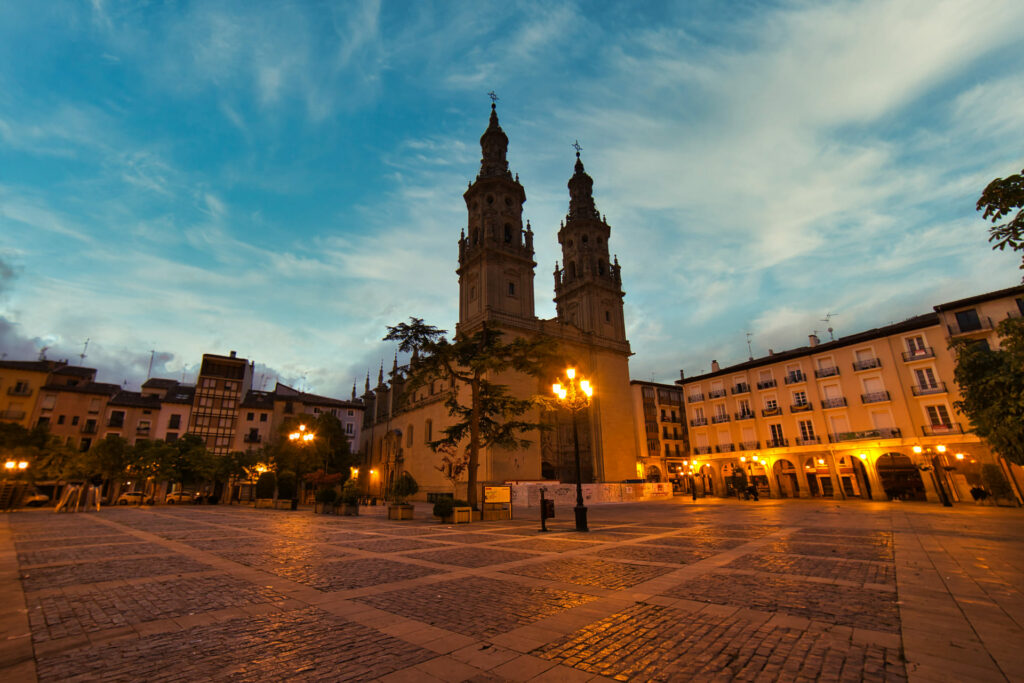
654, 643
59, 616
476, 606
655, 553
547, 545
843, 605
845, 570
850, 552
303, 644
471, 557
392, 545
697, 542
589, 571
87, 553
336, 575
110, 570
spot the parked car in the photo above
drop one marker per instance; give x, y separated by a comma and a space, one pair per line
34, 499
179, 497
130, 498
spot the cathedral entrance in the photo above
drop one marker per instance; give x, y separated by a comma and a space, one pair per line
558, 451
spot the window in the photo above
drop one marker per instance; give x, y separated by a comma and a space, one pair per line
607, 317
116, 419
648, 392
915, 345
74, 420
250, 417
60, 419
720, 410
806, 430
968, 320
408, 437
229, 386
771, 403
351, 413
94, 405
698, 413
1020, 305
172, 437
209, 383
225, 423
43, 421
48, 402
206, 402
222, 441
508, 232
174, 422
744, 406
263, 417
143, 426
925, 378
799, 398
776, 430
511, 289
938, 416
84, 446
472, 293
348, 428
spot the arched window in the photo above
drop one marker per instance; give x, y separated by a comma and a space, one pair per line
408, 436
508, 232
572, 270
428, 431
475, 236
600, 267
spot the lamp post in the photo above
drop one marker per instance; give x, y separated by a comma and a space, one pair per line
575, 395
302, 437
933, 457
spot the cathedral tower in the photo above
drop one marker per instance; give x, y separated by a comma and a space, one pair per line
496, 263
588, 288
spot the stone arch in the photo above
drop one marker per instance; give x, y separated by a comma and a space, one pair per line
547, 471
785, 473
653, 474
819, 479
900, 478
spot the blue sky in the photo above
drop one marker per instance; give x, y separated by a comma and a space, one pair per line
284, 179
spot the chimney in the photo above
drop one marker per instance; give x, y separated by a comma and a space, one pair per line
771, 352
714, 366
232, 354
682, 375
813, 339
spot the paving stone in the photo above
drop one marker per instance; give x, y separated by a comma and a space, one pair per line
846, 570
548, 545
590, 571
477, 606
654, 553
92, 572
471, 557
88, 553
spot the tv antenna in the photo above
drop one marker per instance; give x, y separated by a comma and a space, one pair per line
828, 321
85, 347
149, 372
42, 352
750, 352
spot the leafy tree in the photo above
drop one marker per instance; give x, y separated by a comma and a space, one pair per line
235, 465
453, 464
1001, 198
992, 386
110, 458
490, 416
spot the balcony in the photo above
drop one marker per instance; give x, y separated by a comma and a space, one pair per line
701, 450
252, 438
725, 448
887, 433
142, 431
918, 354
19, 390
839, 402
795, 378
875, 397
827, 372
942, 429
748, 445
719, 419
694, 398
12, 414
115, 423
771, 412
698, 422
800, 407
807, 440
744, 416
919, 390
982, 325
767, 384
867, 364
742, 388
716, 393
776, 443
89, 428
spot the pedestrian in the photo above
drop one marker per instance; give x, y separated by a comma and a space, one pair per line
752, 492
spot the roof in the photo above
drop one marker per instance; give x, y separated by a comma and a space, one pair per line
30, 365
981, 298
264, 400
183, 393
89, 388
660, 385
135, 400
910, 324
76, 371
283, 392
159, 383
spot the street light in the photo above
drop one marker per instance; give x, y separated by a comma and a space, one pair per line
933, 456
302, 435
575, 396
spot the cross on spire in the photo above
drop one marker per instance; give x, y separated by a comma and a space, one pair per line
576, 145
493, 95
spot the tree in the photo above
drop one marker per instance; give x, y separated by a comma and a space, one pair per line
453, 464
1000, 199
110, 458
491, 416
991, 383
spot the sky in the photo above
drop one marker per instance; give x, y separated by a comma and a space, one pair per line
284, 179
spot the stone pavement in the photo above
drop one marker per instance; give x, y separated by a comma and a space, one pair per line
669, 590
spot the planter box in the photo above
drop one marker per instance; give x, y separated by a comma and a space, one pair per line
348, 510
264, 502
400, 511
283, 505
461, 516
495, 511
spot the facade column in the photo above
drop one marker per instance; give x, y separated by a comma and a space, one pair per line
877, 490
773, 482
718, 479
801, 480
833, 473
930, 492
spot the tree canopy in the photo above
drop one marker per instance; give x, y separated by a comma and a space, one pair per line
491, 416
1000, 199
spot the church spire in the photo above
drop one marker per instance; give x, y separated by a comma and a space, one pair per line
581, 191
493, 147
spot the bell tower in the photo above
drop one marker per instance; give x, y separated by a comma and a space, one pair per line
588, 287
496, 265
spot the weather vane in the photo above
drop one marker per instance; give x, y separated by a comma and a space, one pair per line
493, 95
576, 146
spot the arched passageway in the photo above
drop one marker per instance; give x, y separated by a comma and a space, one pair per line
785, 473
653, 474
900, 477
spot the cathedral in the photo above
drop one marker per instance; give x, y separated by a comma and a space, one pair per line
496, 272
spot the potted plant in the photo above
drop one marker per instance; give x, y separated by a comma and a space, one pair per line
325, 501
443, 509
453, 511
265, 486
348, 501
403, 487
286, 488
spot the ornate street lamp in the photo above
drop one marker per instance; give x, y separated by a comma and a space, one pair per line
575, 395
933, 456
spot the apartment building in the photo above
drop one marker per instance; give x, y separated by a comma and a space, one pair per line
662, 439
222, 383
20, 382
870, 415
72, 405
